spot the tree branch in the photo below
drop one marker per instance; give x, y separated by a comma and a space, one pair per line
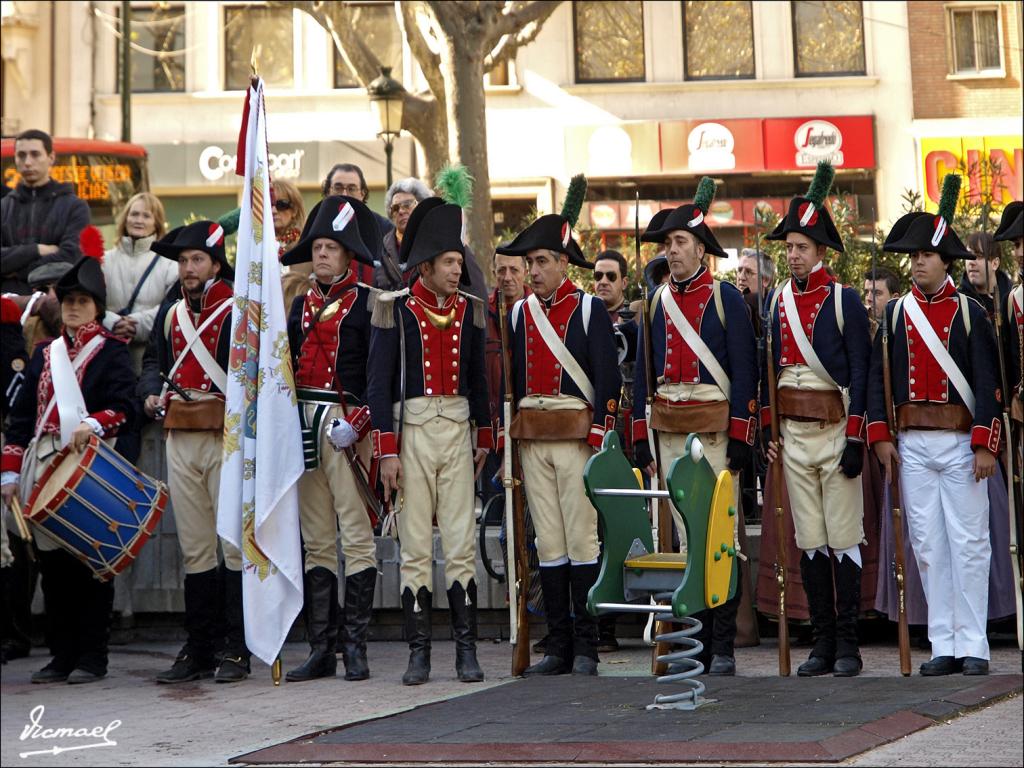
519, 25
430, 62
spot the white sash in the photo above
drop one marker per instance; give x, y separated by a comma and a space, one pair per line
67, 394
939, 352
696, 343
558, 349
194, 343
802, 342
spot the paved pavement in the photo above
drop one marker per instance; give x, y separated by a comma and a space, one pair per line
206, 724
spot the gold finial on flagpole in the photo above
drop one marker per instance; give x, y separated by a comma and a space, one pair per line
254, 58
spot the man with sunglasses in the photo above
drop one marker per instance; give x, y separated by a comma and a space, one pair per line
610, 283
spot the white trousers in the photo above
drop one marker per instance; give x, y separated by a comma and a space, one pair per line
947, 513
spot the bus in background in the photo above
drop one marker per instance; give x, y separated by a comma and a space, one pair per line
105, 173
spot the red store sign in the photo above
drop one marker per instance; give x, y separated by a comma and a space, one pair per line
793, 144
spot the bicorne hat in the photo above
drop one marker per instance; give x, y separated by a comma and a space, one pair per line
553, 231
206, 236
688, 218
438, 224
1011, 225
807, 215
921, 231
346, 221
85, 275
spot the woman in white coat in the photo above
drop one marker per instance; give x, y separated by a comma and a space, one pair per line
137, 278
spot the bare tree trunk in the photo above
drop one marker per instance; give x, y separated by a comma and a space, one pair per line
467, 139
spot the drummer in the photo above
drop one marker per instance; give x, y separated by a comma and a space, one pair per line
47, 416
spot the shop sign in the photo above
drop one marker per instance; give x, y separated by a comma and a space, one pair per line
702, 146
215, 163
801, 143
991, 166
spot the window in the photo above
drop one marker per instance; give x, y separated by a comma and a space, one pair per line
246, 27
828, 37
378, 27
161, 30
609, 41
719, 39
975, 36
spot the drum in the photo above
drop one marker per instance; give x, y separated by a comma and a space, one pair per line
97, 506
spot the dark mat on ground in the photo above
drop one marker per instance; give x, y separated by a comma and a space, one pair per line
604, 719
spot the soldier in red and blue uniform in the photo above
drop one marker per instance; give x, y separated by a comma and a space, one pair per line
431, 426
717, 402
943, 365
821, 347
189, 345
78, 606
566, 384
329, 333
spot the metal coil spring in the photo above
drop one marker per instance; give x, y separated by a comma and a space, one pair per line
691, 698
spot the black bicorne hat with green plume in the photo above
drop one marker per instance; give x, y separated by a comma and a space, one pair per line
438, 224
553, 232
920, 231
808, 215
691, 218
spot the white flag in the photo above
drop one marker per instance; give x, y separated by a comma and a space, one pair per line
258, 509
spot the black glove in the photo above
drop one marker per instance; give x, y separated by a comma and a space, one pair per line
642, 454
737, 454
852, 461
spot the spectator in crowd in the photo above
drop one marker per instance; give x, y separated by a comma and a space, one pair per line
348, 179
137, 278
746, 280
289, 219
982, 273
40, 316
401, 199
610, 270
39, 221
881, 285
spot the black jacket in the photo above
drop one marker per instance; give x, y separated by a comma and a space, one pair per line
51, 215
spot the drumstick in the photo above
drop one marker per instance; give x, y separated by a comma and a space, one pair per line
22, 526
181, 392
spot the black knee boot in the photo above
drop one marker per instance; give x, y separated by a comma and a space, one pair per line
584, 624
358, 609
558, 647
462, 608
416, 609
94, 605
234, 667
59, 597
196, 658
820, 590
848, 661
321, 598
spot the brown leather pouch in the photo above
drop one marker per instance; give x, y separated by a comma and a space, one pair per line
933, 416
684, 419
533, 424
195, 415
811, 405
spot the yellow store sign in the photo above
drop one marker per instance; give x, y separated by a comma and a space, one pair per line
990, 165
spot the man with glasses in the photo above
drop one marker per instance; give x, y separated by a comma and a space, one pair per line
348, 179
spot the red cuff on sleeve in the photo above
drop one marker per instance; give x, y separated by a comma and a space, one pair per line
878, 432
743, 429
359, 420
596, 436
110, 420
485, 438
855, 427
640, 431
987, 437
384, 444
10, 459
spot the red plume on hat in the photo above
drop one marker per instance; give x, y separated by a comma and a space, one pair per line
90, 243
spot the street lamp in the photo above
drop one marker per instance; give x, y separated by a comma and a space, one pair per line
388, 97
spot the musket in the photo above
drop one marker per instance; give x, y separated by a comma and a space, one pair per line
895, 501
517, 566
1014, 499
776, 469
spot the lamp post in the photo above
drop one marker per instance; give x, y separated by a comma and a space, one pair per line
388, 97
